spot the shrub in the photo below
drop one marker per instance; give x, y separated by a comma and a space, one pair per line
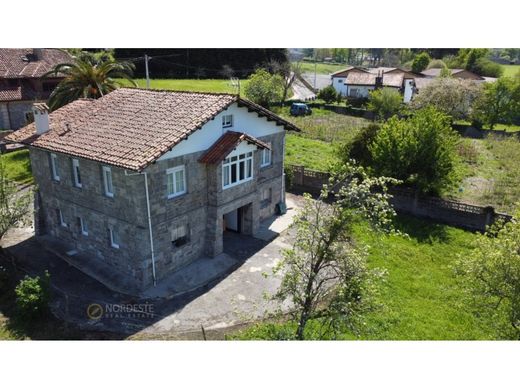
436, 63
328, 94
264, 88
32, 296
384, 102
358, 148
485, 67
420, 62
289, 176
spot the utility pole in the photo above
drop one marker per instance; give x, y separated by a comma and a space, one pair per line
146, 58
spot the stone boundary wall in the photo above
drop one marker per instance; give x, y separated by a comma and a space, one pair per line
407, 201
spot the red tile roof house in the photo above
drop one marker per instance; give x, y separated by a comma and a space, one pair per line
357, 82
21, 82
144, 182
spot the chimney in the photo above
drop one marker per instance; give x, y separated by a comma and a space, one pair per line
41, 117
38, 53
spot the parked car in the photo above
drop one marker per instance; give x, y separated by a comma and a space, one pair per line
298, 109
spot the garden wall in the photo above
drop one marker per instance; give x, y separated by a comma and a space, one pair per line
406, 201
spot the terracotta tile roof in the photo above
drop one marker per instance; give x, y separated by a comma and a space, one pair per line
20, 92
393, 80
346, 71
30, 63
131, 128
225, 145
359, 78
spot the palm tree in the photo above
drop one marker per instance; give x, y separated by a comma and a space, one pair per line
88, 77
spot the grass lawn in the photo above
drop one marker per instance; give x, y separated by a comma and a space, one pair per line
18, 166
321, 68
421, 296
206, 85
313, 154
511, 70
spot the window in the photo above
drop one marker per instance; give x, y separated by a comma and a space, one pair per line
266, 197
54, 167
176, 181
237, 169
29, 117
76, 173
114, 238
83, 227
107, 182
340, 81
180, 235
266, 157
354, 92
227, 121
61, 221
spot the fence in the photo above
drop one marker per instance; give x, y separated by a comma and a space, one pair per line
409, 201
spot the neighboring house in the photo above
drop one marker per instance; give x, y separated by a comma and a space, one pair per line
21, 84
457, 73
144, 182
357, 82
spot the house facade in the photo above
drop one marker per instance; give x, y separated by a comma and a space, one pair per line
358, 82
145, 182
21, 82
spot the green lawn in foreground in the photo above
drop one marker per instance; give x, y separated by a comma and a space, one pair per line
421, 296
18, 166
207, 85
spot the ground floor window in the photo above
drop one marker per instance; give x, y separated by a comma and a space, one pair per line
61, 221
114, 238
237, 169
180, 235
267, 195
83, 227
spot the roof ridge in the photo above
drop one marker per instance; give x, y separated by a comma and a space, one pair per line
181, 91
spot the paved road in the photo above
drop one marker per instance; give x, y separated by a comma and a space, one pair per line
322, 80
301, 92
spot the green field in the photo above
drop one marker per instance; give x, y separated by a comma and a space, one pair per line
321, 68
421, 297
18, 166
511, 70
207, 85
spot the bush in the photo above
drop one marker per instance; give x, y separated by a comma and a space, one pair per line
32, 296
328, 94
420, 62
289, 176
264, 88
486, 67
436, 64
384, 102
358, 148
421, 151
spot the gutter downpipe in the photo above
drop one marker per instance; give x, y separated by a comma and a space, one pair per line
149, 221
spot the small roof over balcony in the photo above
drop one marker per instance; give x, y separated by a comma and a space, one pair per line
226, 144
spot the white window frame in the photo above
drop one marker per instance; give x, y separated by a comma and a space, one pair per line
113, 243
83, 226
266, 152
233, 162
107, 172
62, 221
54, 167
227, 121
76, 173
170, 173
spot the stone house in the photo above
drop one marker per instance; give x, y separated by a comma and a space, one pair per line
21, 82
143, 182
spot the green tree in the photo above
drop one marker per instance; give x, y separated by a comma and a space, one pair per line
325, 275
14, 204
328, 94
492, 273
32, 296
87, 77
499, 102
420, 62
264, 88
384, 102
452, 96
421, 150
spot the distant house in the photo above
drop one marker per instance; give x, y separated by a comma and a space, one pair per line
21, 84
357, 82
457, 73
140, 183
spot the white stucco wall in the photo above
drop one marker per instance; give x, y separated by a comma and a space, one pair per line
408, 90
339, 85
243, 121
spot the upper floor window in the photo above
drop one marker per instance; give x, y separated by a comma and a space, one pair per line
114, 238
61, 221
237, 169
54, 167
227, 121
107, 182
266, 157
176, 181
76, 173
